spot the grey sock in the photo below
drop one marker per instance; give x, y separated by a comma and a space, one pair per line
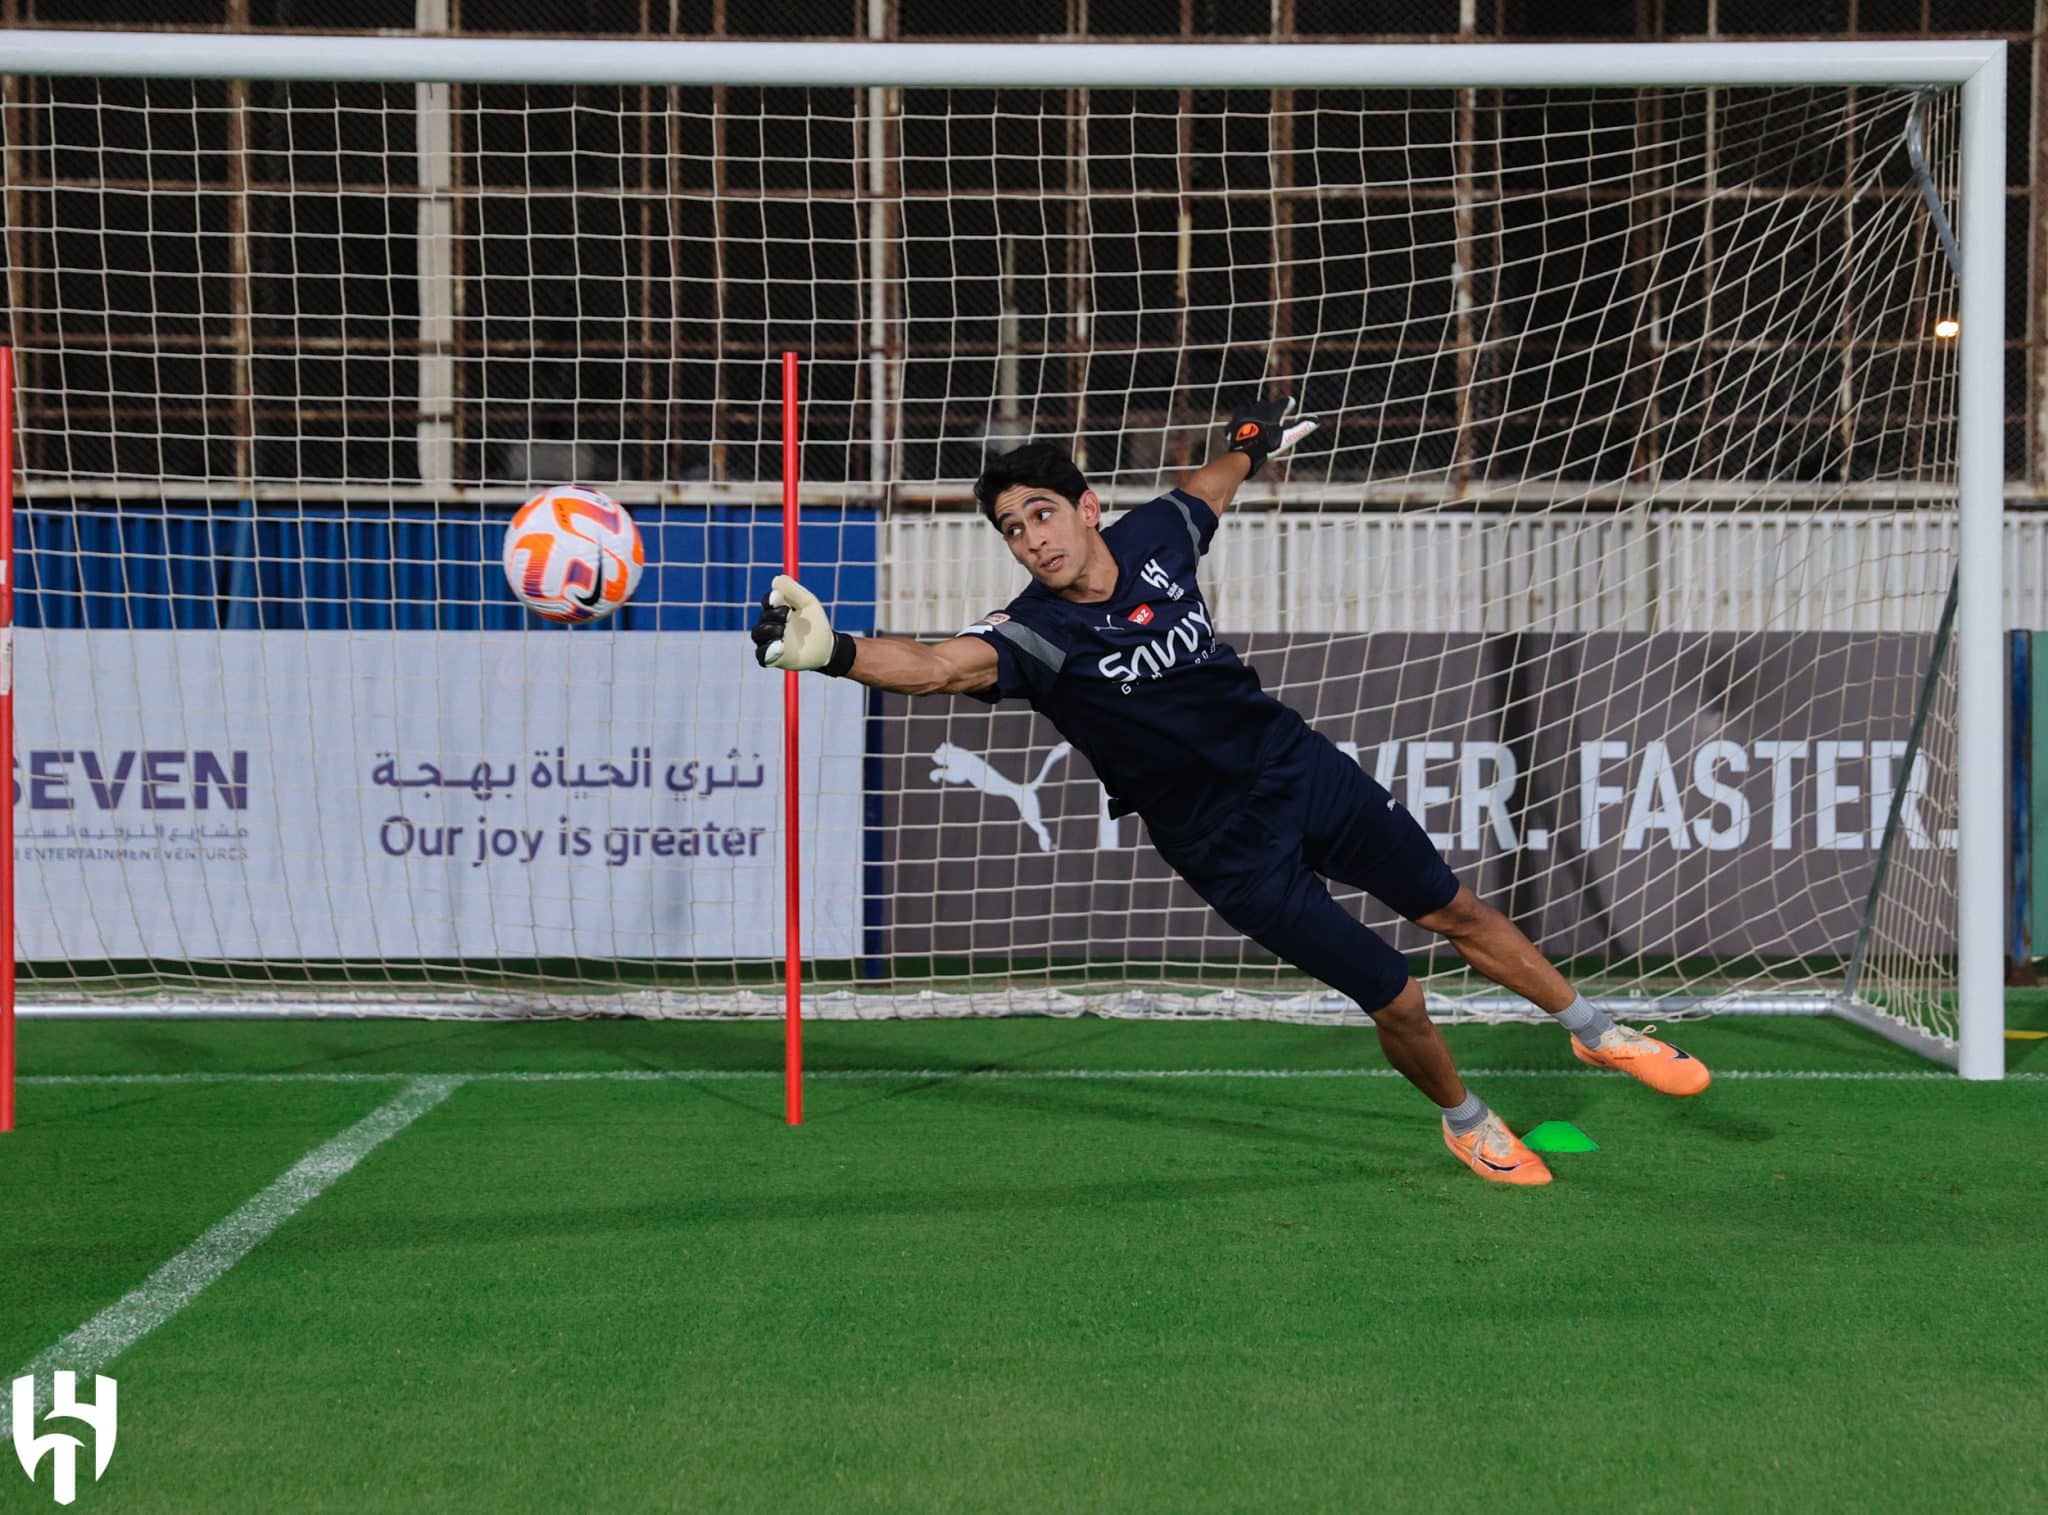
1584, 1022
1463, 1117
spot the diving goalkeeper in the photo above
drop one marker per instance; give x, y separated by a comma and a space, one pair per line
1112, 643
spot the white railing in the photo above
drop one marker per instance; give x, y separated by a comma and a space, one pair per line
1643, 571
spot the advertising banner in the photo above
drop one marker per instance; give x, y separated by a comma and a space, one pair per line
408, 794
1616, 793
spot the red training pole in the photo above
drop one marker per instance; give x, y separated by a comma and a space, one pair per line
792, 968
7, 737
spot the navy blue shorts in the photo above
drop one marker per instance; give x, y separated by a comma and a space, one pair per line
1315, 811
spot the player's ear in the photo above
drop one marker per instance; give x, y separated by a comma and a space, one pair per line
1090, 506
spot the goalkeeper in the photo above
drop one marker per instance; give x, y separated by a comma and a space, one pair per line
1112, 643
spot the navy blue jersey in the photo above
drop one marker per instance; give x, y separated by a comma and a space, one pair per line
1174, 724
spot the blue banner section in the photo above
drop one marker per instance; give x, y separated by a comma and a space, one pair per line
207, 566
2037, 784
2021, 840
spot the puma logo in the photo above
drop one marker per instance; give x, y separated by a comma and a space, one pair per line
956, 765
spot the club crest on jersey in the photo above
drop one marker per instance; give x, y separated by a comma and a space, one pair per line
1141, 616
1188, 642
1159, 579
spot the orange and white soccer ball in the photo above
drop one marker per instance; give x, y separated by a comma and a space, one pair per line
572, 554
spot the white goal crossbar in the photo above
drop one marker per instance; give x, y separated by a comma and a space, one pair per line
993, 65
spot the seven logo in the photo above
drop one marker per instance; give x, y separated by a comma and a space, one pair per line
98, 1414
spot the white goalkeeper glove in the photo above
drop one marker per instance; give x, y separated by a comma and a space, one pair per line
1263, 431
793, 631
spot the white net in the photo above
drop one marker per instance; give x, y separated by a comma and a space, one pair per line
1620, 557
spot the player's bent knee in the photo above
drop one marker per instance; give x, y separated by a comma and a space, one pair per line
1403, 1010
1465, 913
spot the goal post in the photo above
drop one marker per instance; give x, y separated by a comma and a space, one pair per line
1644, 478
1980, 498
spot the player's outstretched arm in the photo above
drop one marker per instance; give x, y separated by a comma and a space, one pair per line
794, 632
1257, 432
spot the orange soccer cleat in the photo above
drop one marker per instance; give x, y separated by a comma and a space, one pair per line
1659, 1064
1495, 1153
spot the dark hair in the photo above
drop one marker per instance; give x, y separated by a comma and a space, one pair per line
1044, 465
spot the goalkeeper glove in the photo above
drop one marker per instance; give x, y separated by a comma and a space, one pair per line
1263, 431
794, 633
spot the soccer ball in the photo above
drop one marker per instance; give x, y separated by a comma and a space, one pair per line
572, 554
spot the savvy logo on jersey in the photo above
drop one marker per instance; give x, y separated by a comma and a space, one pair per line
97, 1412
1191, 636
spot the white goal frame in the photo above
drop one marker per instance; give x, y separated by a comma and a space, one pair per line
1977, 68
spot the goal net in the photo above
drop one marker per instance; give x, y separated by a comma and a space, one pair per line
1621, 556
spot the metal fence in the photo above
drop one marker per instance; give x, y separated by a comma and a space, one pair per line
421, 393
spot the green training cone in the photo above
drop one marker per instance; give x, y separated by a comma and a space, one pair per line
1559, 1136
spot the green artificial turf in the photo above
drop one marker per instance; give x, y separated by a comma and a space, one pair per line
1017, 1292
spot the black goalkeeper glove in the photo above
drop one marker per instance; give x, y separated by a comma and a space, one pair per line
1263, 431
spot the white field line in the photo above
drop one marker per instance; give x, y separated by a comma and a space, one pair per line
181, 1280
1011, 1075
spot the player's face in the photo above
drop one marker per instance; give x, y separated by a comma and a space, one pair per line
1056, 539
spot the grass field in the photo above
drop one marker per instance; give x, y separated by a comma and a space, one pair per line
595, 1271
